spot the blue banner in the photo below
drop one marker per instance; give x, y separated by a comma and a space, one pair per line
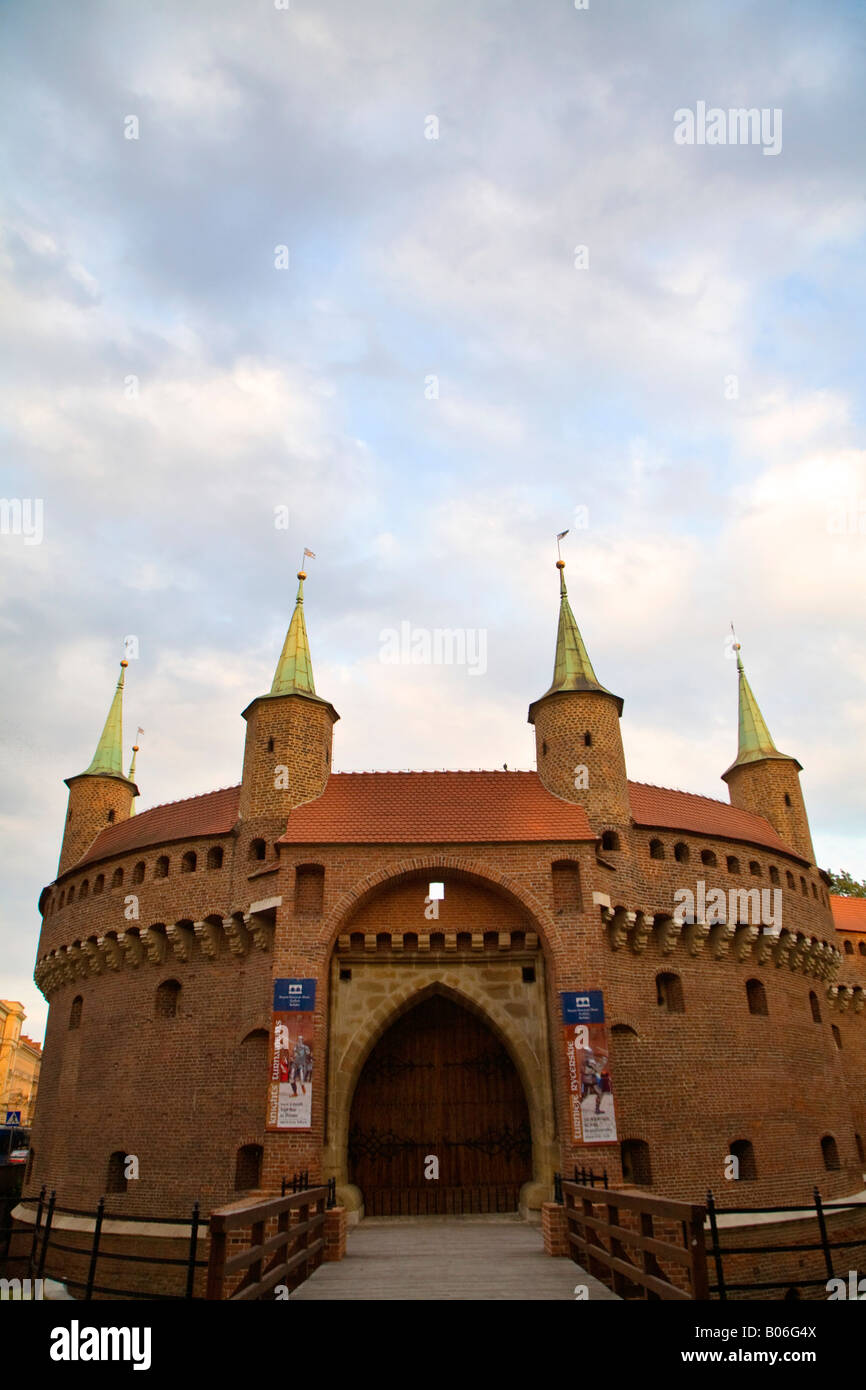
294, 995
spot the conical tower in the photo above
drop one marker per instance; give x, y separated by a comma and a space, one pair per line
287, 755
102, 794
762, 779
578, 743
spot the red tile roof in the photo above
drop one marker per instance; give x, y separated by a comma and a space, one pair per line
662, 807
849, 914
434, 807
214, 813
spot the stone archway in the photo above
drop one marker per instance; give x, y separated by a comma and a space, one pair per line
382, 990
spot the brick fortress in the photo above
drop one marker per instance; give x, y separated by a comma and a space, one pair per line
437, 1025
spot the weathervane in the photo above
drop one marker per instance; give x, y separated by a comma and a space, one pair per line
558, 539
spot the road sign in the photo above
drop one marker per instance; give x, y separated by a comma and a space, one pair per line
13, 1117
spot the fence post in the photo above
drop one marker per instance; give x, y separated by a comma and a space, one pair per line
217, 1259
94, 1252
605, 1179
193, 1250
46, 1234
822, 1226
36, 1229
717, 1254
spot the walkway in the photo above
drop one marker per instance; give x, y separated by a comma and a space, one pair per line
436, 1258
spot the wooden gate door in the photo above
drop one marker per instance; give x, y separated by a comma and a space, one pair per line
439, 1085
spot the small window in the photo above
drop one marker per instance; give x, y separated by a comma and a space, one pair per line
774, 874
743, 1152
804, 887
111, 818
610, 840
757, 997
565, 879
787, 799
70, 896
60, 900
98, 884
849, 949
587, 740
814, 1006
669, 993
656, 849
544, 748
346, 974
830, 1153
161, 867
862, 948
814, 892
789, 879
248, 1167
270, 745
635, 1157
529, 974
167, 996
732, 864
138, 872
115, 1178
117, 879
837, 1036
623, 1030
754, 868
708, 858
257, 849
188, 862
681, 852
83, 890
76, 1011
215, 857
309, 888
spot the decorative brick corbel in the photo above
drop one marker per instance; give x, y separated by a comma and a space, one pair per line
641, 933
236, 935
744, 939
260, 930
181, 940
132, 947
207, 934
694, 936
154, 943
95, 961
721, 936
110, 947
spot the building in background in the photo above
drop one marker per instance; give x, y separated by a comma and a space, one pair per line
20, 1062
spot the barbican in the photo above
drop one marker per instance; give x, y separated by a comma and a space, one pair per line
349, 973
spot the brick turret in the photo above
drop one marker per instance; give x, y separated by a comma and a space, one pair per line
287, 754
577, 735
101, 795
762, 779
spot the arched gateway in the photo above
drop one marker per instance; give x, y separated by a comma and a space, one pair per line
439, 1121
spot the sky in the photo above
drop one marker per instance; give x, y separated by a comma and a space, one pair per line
418, 286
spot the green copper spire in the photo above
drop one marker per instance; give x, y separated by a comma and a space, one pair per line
108, 758
294, 673
755, 743
572, 668
131, 775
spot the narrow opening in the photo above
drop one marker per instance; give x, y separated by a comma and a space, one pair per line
669, 993
345, 974
529, 974
635, 1158
744, 1153
115, 1178
248, 1167
830, 1154
757, 997
656, 849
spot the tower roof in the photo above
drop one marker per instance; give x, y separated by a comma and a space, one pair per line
294, 673
572, 668
107, 761
755, 743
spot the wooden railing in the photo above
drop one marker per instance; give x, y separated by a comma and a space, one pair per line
604, 1227
296, 1246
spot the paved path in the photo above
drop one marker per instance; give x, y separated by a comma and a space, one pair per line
432, 1258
